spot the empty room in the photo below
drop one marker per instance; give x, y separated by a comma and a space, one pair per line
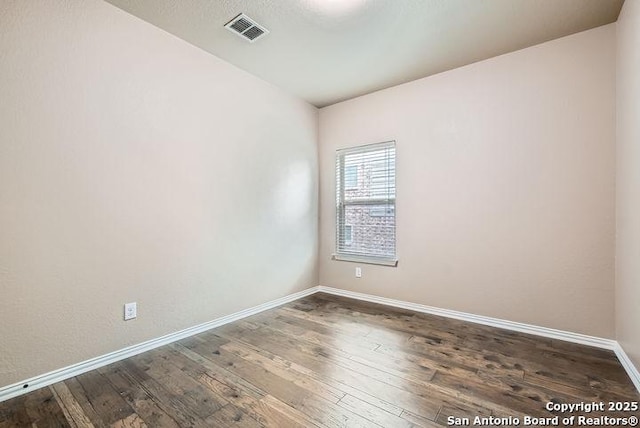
319, 213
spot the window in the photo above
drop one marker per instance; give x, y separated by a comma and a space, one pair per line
351, 177
381, 211
348, 230
366, 204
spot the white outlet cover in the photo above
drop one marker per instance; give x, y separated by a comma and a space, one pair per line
358, 272
130, 311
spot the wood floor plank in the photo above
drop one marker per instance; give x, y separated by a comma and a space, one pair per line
45, 411
131, 421
71, 408
373, 413
419, 421
338, 357
232, 416
271, 406
219, 373
310, 384
138, 397
173, 405
38, 408
313, 359
105, 401
321, 410
327, 361
265, 411
242, 394
159, 365
80, 395
360, 355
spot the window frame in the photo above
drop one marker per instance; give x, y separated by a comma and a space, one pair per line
341, 205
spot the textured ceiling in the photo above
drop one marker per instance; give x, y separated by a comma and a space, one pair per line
326, 51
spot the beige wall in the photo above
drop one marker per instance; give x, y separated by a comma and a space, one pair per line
505, 185
628, 181
136, 167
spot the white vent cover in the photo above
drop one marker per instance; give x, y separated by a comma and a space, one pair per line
246, 28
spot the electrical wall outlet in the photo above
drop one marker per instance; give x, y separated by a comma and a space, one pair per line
358, 272
130, 311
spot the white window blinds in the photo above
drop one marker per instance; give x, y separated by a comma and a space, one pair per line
366, 203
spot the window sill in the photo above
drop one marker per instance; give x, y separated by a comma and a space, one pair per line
364, 259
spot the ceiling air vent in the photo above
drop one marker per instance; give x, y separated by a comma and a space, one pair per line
246, 28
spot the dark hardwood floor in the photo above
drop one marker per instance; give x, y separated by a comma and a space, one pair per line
332, 362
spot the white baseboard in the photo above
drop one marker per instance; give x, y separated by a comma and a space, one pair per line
567, 336
46, 379
626, 362
50, 378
